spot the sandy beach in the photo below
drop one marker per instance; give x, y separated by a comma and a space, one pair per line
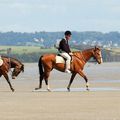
102, 102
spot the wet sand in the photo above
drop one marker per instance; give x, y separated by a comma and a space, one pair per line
97, 104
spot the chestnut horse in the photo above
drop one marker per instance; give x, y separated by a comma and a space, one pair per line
47, 63
9, 63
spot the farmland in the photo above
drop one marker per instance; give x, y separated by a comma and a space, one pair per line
26, 49
32, 53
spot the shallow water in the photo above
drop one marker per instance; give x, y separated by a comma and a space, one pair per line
81, 89
105, 81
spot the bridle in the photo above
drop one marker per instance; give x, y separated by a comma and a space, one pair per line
83, 57
100, 57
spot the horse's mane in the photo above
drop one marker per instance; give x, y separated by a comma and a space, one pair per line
11, 58
83, 50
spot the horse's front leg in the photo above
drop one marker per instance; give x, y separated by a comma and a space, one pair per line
71, 80
7, 78
86, 79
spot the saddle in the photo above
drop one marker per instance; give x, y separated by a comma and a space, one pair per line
61, 59
1, 61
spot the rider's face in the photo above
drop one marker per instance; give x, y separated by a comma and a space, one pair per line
68, 37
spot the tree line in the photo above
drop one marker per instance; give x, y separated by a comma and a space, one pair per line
47, 39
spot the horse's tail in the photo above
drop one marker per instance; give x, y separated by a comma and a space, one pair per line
40, 66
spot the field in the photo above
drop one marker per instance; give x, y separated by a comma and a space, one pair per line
32, 49
28, 49
25, 49
102, 102
114, 50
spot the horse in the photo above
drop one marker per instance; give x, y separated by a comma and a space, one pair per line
47, 63
8, 63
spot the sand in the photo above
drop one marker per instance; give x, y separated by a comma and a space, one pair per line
24, 104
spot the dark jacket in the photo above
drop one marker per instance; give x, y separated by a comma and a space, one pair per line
64, 46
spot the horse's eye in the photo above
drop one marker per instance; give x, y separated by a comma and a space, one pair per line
97, 53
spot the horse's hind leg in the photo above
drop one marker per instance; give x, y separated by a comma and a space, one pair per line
40, 82
7, 78
46, 76
41, 79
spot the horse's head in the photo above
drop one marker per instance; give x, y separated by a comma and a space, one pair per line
97, 55
17, 70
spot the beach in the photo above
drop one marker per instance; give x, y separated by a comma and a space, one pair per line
102, 102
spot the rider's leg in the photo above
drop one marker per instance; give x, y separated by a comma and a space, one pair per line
67, 56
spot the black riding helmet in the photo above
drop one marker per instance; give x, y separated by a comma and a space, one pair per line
68, 33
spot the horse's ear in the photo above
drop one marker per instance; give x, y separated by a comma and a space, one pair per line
95, 47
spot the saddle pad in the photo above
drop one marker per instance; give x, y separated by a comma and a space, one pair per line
59, 59
1, 62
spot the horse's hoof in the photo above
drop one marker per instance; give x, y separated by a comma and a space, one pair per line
37, 88
88, 89
12, 90
49, 90
68, 89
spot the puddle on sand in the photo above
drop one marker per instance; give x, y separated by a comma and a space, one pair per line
80, 89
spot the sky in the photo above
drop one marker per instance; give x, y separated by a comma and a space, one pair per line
59, 15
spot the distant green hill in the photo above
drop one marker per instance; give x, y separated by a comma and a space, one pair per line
48, 39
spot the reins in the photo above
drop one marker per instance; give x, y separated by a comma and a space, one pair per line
83, 57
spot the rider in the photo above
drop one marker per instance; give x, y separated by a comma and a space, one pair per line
65, 51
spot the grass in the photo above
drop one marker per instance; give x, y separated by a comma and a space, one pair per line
25, 49
114, 50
